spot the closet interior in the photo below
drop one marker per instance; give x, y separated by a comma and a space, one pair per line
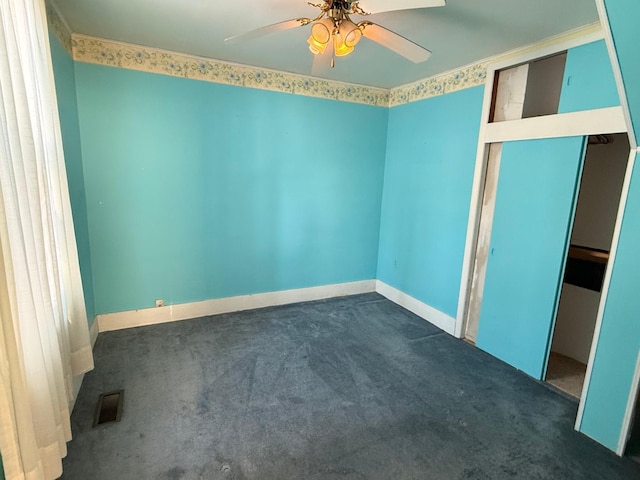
592, 233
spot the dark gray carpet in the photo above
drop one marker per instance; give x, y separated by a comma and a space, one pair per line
349, 388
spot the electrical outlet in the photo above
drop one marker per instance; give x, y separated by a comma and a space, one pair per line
159, 302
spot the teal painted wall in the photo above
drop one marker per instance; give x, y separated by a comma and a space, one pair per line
588, 79
198, 191
619, 340
431, 154
623, 18
64, 73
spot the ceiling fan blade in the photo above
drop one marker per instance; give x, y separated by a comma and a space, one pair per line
259, 32
379, 6
395, 42
322, 62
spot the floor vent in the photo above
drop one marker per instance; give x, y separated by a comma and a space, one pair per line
109, 408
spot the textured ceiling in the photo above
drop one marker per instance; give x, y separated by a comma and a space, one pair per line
460, 33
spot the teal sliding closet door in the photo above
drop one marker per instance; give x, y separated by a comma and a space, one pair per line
535, 205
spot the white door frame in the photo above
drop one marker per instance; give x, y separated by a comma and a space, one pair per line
617, 72
632, 404
635, 151
627, 422
609, 120
602, 121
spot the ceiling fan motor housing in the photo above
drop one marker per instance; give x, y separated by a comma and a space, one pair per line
338, 8
341, 4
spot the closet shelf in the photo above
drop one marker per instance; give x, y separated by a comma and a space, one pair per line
589, 254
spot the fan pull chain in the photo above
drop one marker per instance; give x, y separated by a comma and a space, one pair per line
333, 50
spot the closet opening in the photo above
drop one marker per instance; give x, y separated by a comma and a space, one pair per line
528, 90
592, 233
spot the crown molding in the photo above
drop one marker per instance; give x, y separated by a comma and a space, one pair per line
58, 26
88, 49
476, 74
550, 45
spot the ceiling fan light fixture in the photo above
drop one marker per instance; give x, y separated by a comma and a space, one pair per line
334, 34
347, 37
321, 31
315, 47
350, 33
342, 49
320, 36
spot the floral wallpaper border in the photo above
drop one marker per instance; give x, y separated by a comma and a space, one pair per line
467, 77
58, 27
106, 52
84, 48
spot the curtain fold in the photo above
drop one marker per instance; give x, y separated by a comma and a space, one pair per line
44, 337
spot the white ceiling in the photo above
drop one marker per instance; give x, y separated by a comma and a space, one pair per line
462, 32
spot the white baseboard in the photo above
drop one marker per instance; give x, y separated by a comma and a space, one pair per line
172, 313
430, 314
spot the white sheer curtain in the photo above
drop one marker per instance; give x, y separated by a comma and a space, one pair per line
44, 338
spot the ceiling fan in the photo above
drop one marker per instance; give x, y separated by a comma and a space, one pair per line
335, 34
